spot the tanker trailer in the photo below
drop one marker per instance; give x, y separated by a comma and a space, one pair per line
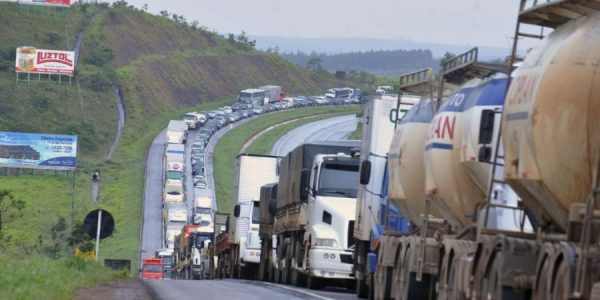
405, 189
551, 136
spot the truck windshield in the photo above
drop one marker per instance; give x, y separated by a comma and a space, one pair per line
190, 118
176, 175
256, 213
203, 210
166, 260
338, 179
153, 268
199, 241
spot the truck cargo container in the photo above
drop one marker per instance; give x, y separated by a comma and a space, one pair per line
238, 249
176, 132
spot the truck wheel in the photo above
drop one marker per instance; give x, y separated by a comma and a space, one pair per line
362, 289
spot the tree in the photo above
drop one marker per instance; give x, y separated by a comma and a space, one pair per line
314, 64
145, 7
164, 13
447, 56
10, 208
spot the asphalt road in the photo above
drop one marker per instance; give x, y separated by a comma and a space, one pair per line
225, 289
337, 128
327, 129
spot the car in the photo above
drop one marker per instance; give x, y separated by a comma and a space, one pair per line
227, 109
220, 112
197, 169
222, 120
257, 110
211, 114
197, 151
200, 185
244, 113
199, 142
250, 112
237, 107
199, 178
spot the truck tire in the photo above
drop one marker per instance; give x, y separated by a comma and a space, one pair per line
362, 289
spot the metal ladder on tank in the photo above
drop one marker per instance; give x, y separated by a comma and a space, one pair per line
543, 15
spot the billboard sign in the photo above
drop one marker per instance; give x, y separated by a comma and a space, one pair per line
39, 61
38, 151
46, 2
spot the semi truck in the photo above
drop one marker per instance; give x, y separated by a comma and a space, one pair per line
238, 249
380, 117
173, 191
314, 215
203, 210
174, 218
174, 160
193, 120
189, 244
272, 92
268, 204
176, 132
166, 255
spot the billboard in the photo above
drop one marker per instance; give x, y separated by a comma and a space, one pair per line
46, 2
38, 151
39, 61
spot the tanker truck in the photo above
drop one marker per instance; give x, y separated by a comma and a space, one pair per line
440, 186
314, 215
380, 116
238, 249
550, 136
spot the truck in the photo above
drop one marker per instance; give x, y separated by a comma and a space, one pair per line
439, 184
176, 132
174, 218
220, 222
268, 204
152, 268
187, 258
238, 249
272, 92
174, 159
381, 115
173, 191
203, 210
314, 215
166, 255
194, 120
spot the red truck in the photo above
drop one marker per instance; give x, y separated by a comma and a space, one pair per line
152, 268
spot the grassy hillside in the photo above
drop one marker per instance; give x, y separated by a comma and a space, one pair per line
163, 69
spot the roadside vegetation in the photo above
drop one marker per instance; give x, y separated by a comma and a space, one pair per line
229, 145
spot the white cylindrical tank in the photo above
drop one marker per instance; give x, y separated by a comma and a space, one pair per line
406, 186
551, 129
455, 180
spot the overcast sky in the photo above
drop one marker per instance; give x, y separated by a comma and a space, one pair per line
475, 22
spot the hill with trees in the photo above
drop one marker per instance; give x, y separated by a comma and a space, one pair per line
381, 62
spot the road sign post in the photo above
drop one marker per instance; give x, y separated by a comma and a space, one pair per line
98, 232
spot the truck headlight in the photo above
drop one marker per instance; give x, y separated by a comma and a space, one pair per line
326, 243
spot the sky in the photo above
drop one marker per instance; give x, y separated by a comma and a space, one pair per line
475, 22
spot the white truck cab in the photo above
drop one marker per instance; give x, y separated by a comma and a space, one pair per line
331, 212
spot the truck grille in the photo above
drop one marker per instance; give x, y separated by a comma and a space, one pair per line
346, 258
350, 234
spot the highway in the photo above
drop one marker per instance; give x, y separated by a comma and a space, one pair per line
152, 239
337, 128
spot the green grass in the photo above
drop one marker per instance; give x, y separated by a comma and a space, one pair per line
38, 277
357, 133
230, 144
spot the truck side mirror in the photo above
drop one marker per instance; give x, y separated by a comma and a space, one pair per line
236, 211
304, 184
486, 126
365, 172
485, 154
